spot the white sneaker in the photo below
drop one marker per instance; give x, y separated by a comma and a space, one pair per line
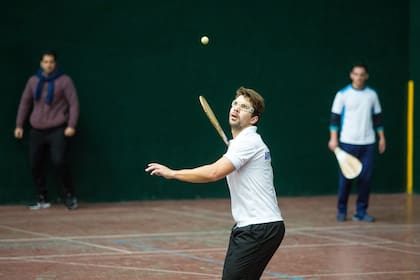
40, 205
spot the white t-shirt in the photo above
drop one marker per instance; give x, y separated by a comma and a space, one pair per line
356, 107
253, 196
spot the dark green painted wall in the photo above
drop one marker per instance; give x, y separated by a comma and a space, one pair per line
139, 68
415, 76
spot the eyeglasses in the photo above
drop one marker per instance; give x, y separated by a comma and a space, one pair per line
243, 107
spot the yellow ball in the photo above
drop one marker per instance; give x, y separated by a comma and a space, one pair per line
204, 40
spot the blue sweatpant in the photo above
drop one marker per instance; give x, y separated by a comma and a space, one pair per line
365, 153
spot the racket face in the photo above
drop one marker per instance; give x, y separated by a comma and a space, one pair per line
206, 106
349, 170
350, 166
212, 117
207, 109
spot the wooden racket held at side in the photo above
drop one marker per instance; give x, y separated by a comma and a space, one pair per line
350, 166
212, 117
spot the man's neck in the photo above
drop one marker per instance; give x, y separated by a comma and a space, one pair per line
236, 131
356, 86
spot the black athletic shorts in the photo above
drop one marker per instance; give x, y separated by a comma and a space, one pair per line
250, 249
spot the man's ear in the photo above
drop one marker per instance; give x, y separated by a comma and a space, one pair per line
254, 119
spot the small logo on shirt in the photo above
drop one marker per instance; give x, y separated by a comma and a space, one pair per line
267, 156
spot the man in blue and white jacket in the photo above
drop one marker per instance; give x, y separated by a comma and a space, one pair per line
356, 113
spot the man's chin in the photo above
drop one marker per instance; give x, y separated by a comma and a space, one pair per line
48, 72
234, 125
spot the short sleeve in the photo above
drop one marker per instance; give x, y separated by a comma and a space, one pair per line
240, 152
376, 105
338, 104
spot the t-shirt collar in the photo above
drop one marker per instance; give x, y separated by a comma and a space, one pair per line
246, 131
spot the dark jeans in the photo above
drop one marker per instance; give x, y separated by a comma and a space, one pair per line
53, 143
365, 153
250, 249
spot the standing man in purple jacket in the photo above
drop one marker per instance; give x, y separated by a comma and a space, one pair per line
51, 100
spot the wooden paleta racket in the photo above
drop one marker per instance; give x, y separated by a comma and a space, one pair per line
350, 166
213, 119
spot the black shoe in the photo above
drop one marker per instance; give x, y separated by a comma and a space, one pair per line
71, 202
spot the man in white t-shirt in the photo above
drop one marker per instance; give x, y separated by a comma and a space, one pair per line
259, 227
356, 113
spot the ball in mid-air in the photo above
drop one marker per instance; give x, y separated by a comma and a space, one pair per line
204, 40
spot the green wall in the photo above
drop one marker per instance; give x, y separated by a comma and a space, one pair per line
139, 69
415, 76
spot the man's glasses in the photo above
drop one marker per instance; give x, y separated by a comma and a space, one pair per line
243, 107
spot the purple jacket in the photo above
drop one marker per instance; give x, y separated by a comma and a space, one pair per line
64, 109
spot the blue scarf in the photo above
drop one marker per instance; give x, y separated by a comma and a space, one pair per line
50, 79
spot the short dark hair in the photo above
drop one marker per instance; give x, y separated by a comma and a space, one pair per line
49, 53
359, 65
